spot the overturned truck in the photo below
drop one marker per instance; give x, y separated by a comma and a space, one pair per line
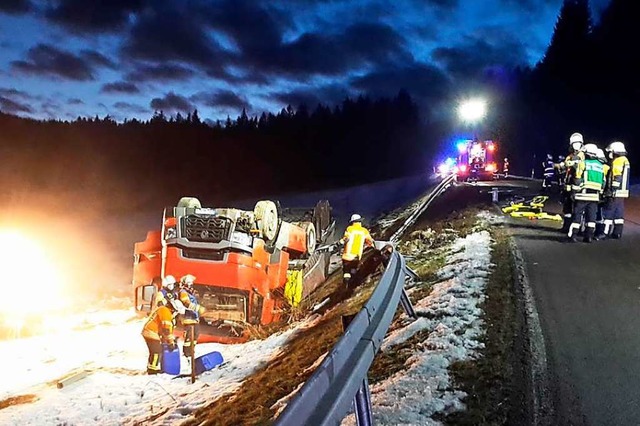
248, 264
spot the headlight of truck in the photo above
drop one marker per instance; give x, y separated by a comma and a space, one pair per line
241, 238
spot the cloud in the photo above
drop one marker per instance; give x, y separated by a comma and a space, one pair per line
312, 96
93, 16
489, 47
424, 81
120, 87
160, 72
172, 103
75, 101
13, 106
128, 107
256, 31
46, 60
174, 33
15, 7
221, 99
330, 54
97, 58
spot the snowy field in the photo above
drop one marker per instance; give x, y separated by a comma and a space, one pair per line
117, 390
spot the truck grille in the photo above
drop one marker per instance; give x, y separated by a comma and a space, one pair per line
210, 229
216, 255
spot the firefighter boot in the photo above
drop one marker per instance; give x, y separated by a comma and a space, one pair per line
566, 224
617, 231
588, 235
599, 234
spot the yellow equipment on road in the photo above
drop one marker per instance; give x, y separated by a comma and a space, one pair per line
531, 210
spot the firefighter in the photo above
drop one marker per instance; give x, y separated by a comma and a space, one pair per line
355, 239
168, 292
560, 172
605, 198
576, 143
618, 188
158, 330
505, 167
586, 185
548, 173
191, 317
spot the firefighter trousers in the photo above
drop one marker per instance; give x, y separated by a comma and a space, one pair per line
154, 363
567, 211
189, 345
614, 217
349, 269
589, 209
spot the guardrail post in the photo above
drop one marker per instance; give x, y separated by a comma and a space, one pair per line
362, 403
362, 399
407, 305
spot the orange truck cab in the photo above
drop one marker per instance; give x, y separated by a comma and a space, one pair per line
242, 261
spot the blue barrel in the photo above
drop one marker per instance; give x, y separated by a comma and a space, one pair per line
170, 360
207, 362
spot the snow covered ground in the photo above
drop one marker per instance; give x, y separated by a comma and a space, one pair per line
117, 391
451, 316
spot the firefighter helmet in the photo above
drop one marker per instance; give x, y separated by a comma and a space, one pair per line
601, 157
591, 150
169, 282
617, 148
355, 218
576, 137
187, 280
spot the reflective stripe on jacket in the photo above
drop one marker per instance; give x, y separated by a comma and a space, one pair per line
620, 177
159, 326
355, 238
192, 314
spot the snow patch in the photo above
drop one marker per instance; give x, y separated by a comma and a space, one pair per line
452, 314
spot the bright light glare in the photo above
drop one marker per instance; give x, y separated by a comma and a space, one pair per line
443, 169
472, 110
462, 146
27, 274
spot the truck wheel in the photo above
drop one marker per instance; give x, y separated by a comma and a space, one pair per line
322, 217
266, 216
189, 202
310, 232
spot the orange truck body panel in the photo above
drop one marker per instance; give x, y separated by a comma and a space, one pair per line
238, 284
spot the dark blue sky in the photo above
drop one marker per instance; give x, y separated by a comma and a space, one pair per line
127, 58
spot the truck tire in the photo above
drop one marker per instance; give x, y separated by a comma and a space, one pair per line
322, 218
312, 239
266, 216
189, 202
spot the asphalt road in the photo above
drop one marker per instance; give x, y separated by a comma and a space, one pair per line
588, 301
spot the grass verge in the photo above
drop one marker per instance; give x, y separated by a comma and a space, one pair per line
252, 403
489, 380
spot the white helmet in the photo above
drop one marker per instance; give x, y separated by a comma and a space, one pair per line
591, 149
576, 137
355, 218
617, 148
187, 280
601, 155
169, 282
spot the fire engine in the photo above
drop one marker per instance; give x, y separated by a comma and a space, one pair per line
476, 160
244, 261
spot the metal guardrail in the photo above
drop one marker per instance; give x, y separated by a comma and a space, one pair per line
327, 395
439, 189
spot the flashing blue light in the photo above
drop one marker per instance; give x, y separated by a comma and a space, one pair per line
462, 146
450, 161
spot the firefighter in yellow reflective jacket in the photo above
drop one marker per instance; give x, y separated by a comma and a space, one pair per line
158, 330
191, 317
356, 238
617, 188
569, 167
586, 185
